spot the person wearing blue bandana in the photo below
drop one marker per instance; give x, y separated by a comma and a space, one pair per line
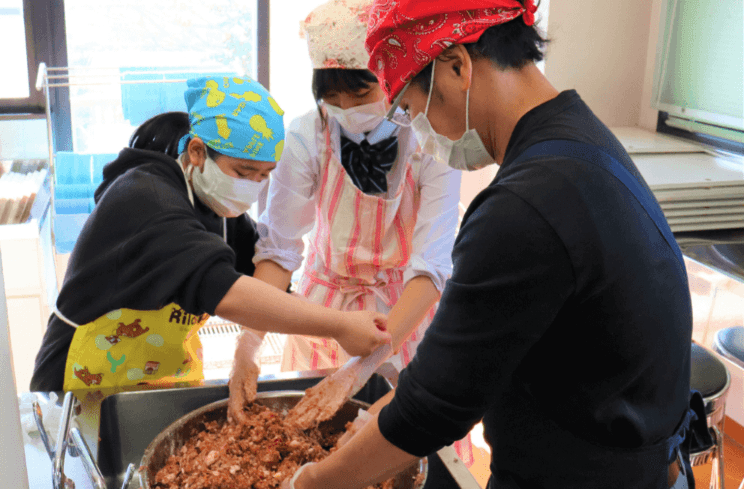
169, 243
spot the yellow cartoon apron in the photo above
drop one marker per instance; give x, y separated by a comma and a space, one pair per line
131, 350
128, 349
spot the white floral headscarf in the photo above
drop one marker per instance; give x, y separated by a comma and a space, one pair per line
336, 34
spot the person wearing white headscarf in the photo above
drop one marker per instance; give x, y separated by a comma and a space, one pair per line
383, 214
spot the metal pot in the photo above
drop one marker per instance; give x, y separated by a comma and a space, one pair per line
170, 440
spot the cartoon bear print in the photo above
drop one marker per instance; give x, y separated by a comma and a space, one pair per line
132, 330
151, 367
88, 378
113, 339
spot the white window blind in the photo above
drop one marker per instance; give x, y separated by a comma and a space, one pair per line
699, 78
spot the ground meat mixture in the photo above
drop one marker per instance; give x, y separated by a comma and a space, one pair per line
259, 454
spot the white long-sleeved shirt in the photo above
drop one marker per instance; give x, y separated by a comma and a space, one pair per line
290, 209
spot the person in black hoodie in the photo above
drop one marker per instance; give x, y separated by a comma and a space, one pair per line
169, 243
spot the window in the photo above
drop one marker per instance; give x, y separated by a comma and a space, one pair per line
699, 79
13, 33
291, 69
113, 46
19, 58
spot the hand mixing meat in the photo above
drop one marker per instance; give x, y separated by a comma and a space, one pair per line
322, 401
244, 376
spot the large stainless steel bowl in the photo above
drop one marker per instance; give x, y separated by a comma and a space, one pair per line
170, 440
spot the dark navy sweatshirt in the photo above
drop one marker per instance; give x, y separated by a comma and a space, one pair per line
566, 325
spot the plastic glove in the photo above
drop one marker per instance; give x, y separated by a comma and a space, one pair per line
290, 484
244, 375
361, 420
363, 368
322, 401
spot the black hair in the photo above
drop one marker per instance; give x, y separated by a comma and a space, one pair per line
329, 80
326, 81
212, 153
511, 45
161, 133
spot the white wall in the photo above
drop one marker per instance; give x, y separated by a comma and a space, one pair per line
600, 48
605, 49
648, 115
12, 459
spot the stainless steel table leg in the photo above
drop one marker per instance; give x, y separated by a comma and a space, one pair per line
59, 481
91, 467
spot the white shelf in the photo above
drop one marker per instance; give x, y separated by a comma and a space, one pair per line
637, 140
698, 188
677, 171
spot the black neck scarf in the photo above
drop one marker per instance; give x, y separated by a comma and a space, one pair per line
368, 164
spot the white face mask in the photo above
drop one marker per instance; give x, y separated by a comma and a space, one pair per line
467, 153
363, 118
227, 196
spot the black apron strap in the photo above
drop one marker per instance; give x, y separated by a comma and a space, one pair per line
698, 436
596, 155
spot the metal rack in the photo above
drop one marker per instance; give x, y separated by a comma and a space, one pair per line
50, 78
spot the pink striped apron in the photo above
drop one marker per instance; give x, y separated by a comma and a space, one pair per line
359, 249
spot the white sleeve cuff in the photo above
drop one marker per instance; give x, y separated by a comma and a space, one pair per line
438, 274
287, 260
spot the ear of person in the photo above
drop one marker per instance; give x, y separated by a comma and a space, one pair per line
458, 69
197, 153
453, 75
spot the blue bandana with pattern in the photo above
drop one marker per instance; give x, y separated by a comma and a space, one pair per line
236, 117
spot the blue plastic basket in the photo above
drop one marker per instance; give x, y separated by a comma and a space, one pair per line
67, 228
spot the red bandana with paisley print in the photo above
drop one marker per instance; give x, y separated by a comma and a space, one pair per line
404, 36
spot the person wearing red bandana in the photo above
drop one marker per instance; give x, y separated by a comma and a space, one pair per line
566, 324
